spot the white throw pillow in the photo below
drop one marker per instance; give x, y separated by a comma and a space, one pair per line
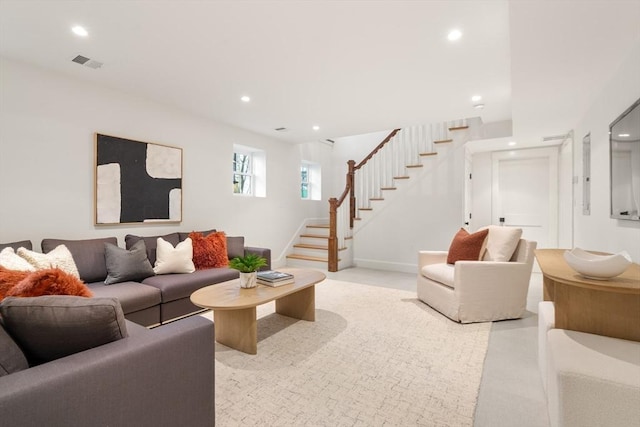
501, 242
12, 261
174, 260
60, 257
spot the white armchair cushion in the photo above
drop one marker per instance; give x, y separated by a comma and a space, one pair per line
501, 243
441, 273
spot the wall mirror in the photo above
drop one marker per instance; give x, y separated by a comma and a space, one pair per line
624, 146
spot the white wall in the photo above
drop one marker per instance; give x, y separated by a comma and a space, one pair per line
481, 190
47, 126
597, 231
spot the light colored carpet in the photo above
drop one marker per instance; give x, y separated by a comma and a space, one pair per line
373, 357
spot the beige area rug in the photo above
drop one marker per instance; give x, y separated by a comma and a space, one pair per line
374, 356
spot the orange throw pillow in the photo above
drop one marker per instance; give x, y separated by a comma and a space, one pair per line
51, 281
10, 278
210, 251
465, 246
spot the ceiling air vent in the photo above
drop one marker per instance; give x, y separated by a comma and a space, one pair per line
87, 62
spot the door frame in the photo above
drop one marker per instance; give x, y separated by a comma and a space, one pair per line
549, 153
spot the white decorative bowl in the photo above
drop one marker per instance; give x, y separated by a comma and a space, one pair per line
598, 267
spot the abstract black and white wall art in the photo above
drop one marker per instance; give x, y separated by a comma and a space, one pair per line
137, 181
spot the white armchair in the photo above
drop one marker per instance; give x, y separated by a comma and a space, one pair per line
476, 291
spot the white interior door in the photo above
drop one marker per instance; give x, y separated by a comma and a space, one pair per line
525, 193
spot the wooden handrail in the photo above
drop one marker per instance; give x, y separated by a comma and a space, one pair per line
334, 203
375, 150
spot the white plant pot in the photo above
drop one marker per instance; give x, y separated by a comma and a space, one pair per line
248, 280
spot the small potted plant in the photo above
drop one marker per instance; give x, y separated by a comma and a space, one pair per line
248, 267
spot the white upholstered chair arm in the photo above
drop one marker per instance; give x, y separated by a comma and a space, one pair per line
431, 257
490, 275
488, 278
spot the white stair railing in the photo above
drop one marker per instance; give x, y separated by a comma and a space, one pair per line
388, 162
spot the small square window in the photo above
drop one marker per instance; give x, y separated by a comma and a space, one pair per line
310, 181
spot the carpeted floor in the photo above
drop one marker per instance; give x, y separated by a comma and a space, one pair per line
374, 356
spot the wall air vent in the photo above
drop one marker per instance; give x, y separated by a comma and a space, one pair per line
87, 62
282, 129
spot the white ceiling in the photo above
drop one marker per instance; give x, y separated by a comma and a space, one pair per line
350, 67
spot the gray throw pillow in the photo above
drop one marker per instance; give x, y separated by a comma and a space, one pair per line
11, 357
50, 327
124, 265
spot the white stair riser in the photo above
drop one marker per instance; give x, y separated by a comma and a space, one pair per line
320, 253
318, 231
301, 263
313, 241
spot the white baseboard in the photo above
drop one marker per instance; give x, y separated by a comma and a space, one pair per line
385, 265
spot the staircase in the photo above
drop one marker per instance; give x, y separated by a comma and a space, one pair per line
312, 248
369, 185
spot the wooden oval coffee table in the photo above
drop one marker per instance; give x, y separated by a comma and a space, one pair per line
234, 308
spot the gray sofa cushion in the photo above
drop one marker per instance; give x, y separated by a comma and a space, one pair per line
127, 265
176, 286
11, 357
235, 246
151, 243
15, 245
183, 236
133, 296
50, 327
88, 255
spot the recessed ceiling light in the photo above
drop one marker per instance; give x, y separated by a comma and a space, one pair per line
476, 98
454, 35
479, 106
624, 135
80, 31
512, 143
245, 99
316, 127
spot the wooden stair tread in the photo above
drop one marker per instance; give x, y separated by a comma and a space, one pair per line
308, 258
365, 209
318, 226
388, 188
314, 236
307, 246
433, 153
401, 177
413, 166
459, 128
376, 198
442, 141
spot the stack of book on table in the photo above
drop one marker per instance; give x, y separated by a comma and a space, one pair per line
274, 278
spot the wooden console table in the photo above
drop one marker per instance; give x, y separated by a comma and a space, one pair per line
602, 307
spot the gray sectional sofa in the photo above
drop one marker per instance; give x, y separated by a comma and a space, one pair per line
154, 377
163, 376
156, 299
